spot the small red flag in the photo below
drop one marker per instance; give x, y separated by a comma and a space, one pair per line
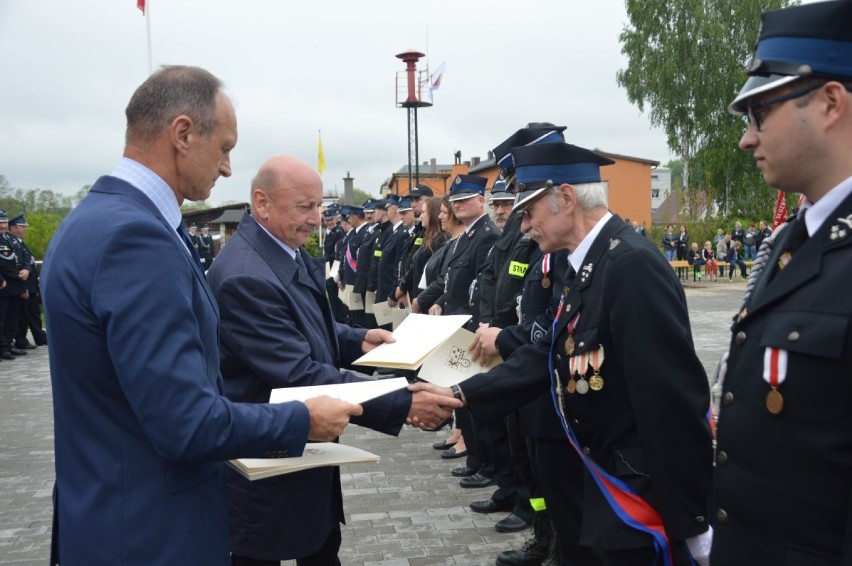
780, 210
141, 5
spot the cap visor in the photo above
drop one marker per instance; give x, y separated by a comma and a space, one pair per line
463, 196
526, 197
755, 85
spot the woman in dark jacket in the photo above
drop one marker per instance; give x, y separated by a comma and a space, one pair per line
433, 238
436, 267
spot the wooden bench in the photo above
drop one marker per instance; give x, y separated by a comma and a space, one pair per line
682, 267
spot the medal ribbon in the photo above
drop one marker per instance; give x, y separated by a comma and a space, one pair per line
631, 509
582, 364
353, 265
596, 359
545, 265
774, 366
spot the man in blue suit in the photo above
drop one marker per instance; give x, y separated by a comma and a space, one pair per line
277, 330
141, 426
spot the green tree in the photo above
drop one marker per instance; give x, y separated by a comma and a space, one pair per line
42, 226
686, 61
189, 205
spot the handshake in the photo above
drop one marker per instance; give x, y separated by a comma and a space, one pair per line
430, 406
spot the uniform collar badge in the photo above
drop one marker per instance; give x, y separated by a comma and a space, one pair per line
838, 233
614, 244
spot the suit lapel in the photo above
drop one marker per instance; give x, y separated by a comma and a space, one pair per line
583, 277
124, 188
807, 262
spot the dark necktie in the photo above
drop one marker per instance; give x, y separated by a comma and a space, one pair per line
302, 268
798, 235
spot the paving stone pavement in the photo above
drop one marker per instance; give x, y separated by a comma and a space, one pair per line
405, 511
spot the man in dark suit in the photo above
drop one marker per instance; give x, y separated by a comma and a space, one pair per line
29, 317
205, 246
468, 254
783, 479
277, 331
636, 422
331, 240
141, 426
16, 264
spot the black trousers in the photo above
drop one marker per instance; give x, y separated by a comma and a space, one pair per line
325, 556
10, 320
29, 318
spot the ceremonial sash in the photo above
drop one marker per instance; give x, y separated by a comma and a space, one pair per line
353, 265
627, 505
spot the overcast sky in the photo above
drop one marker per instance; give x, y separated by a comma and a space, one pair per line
293, 68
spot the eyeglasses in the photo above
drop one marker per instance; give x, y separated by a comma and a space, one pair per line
501, 204
756, 113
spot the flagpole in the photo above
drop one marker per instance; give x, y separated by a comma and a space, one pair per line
148, 27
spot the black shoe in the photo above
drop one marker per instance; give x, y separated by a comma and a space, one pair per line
6, 356
490, 506
443, 445
16, 352
529, 555
451, 453
24, 346
448, 422
463, 472
512, 524
476, 480
535, 550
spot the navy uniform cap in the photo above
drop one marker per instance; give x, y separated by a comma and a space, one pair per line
499, 192
193, 225
404, 205
538, 167
381, 204
421, 191
813, 40
356, 211
393, 200
535, 132
369, 205
467, 186
18, 221
3, 217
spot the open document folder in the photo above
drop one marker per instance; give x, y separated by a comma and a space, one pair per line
316, 455
416, 338
355, 392
452, 362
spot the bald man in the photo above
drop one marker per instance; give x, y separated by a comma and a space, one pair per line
277, 330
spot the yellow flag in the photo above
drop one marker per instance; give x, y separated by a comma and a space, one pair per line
320, 157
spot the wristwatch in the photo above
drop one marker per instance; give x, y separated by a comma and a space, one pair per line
457, 393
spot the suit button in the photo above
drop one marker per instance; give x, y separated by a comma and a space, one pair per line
740, 338
700, 519
793, 336
581, 344
587, 450
722, 458
575, 422
558, 359
728, 399
721, 515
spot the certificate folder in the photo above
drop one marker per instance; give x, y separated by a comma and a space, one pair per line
416, 338
355, 392
316, 455
452, 362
